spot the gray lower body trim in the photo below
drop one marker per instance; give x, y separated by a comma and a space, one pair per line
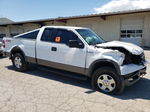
55, 65
65, 67
31, 60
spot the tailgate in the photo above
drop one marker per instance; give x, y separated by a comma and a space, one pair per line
6, 44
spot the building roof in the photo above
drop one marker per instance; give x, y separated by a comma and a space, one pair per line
64, 19
64, 27
5, 21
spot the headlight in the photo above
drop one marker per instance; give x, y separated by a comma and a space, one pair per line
121, 59
143, 56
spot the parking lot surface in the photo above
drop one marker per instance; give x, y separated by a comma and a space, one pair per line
41, 91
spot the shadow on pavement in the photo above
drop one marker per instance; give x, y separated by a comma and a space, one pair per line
140, 90
1, 57
48, 75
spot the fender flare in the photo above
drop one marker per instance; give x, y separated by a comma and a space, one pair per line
17, 49
103, 61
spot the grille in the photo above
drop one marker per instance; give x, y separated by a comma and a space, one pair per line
134, 59
138, 59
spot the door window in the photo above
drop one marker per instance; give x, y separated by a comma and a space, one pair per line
59, 36
47, 35
63, 36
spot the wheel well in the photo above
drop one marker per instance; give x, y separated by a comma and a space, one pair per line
103, 64
17, 50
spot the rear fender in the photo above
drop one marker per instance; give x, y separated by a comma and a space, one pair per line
17, 49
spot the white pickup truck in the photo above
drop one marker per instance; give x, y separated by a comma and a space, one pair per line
75, 50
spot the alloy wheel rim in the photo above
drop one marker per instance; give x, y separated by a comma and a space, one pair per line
106, 83
17, 62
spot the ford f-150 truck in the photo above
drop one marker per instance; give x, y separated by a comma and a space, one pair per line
75, 50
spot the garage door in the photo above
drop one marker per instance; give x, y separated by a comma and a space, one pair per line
132, 30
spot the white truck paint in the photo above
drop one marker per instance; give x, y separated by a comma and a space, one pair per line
134, 49
84, 55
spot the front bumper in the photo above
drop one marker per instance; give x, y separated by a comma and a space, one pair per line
130, 68
132, 78
132, 73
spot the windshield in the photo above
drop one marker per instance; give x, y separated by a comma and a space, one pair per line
90, 37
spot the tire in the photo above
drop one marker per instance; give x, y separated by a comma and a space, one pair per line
19, 62
106, 80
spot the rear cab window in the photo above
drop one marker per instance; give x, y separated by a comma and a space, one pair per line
31, 35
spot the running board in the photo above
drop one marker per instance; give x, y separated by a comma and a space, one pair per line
63, 73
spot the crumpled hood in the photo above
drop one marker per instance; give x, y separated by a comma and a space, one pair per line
134, 49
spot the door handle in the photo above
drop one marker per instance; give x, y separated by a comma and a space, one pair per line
54, 49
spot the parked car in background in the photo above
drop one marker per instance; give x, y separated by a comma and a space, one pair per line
75, 50
1, 51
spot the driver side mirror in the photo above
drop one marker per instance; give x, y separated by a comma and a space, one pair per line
75, 44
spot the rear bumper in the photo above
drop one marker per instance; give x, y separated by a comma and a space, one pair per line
132, 78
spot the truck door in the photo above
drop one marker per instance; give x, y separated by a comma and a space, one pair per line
55, 52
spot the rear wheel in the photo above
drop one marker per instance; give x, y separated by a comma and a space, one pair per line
106, 80
19, 62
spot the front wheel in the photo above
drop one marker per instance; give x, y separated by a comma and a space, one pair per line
19, 62
106, 80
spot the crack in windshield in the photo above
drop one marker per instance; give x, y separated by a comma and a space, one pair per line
90, 37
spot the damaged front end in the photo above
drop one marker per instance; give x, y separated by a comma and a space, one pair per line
132, 78
129, 57
133, 53
134, 63
133, 66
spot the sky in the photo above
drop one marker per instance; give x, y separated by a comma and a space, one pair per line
23, 10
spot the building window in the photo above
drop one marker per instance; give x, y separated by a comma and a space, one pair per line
131, 33
13, 34
2, 35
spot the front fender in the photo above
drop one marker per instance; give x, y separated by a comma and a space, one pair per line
101, 63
